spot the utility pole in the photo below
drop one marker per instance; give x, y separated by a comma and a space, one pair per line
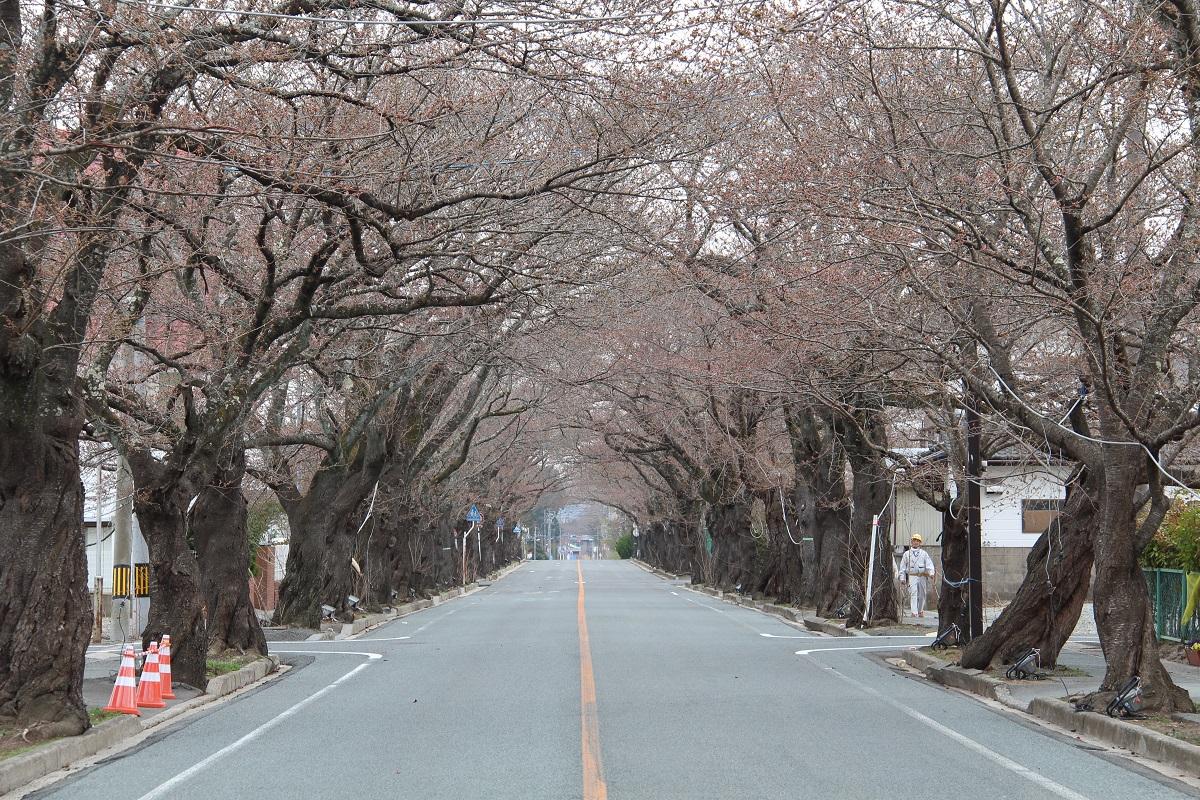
974, 519
123, 623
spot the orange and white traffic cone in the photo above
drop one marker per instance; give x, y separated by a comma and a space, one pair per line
164, 668
123, 700
150, 688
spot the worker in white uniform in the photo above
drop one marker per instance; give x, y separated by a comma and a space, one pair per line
916, 567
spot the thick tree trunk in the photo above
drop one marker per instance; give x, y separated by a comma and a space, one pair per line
1122, 602
323, 535
1046, 607
44, 603
953, 590
870, 491
176, 602
733, 554
218, 525
784, 567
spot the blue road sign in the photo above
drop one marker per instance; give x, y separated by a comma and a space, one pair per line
473, 515
500, 523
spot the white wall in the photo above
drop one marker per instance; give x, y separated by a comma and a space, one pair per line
1001, 512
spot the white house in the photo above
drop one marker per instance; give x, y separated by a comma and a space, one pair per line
1018, 503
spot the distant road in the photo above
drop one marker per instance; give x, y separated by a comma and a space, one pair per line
622, 687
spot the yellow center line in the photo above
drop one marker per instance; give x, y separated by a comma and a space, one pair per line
594, 787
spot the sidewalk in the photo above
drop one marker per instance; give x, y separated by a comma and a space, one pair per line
100, 674
1084, 629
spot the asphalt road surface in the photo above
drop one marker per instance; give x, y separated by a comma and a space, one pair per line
621, 686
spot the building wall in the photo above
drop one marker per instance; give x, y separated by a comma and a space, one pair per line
264, 590
1005, 544
1000, 510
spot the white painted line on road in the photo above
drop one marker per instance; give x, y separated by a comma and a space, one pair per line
781, 636
443, 616
371, 656
1020, 769
163, 788
865, 647
306, 643
675, 593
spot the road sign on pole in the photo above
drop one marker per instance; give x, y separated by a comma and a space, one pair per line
473, 515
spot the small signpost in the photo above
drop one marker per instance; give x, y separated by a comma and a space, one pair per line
473, 517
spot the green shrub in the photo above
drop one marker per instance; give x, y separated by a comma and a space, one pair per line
1176, 544
624, 546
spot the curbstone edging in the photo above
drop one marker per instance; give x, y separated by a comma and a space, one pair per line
969, 680
825, 626
779, 611
231, 682
1125, 735
19, 770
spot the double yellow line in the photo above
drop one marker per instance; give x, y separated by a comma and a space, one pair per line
594, 787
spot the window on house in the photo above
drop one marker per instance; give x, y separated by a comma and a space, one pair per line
1036, 515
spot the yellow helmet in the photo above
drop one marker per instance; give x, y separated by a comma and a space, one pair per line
916, 537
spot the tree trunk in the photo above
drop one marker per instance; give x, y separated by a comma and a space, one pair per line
322, 540
733, 550
784, 569
1122, 601
953, 599
870, 492
1046, 607
45, 618
176, 602
218, 524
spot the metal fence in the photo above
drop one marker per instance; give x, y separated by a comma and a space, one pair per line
1168, 594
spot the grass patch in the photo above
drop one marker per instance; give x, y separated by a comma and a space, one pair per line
214, 667
951, 655
98, 715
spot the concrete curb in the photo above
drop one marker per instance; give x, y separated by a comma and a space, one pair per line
1114, 732
1125, 735
969, 680
371, 621
20, 770
789, 614
232, 681
822, 625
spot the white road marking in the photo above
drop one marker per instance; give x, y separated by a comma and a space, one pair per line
675, 593
443, 616
1020, 769
781, 636
344, 641
163, 788
865, 647
370, 656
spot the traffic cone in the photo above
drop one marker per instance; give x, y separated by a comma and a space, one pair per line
123, 700
164, 668
149, 687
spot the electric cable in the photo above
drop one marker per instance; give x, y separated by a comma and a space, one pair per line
787, 527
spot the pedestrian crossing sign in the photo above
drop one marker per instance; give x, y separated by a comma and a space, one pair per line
473, 515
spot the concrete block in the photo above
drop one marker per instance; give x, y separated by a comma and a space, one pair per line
232, 681
825, 626
780, 611
19, 770
1126, 735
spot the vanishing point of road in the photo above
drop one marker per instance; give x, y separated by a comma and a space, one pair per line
594, 680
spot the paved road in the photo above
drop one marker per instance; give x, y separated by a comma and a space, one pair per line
491, 696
